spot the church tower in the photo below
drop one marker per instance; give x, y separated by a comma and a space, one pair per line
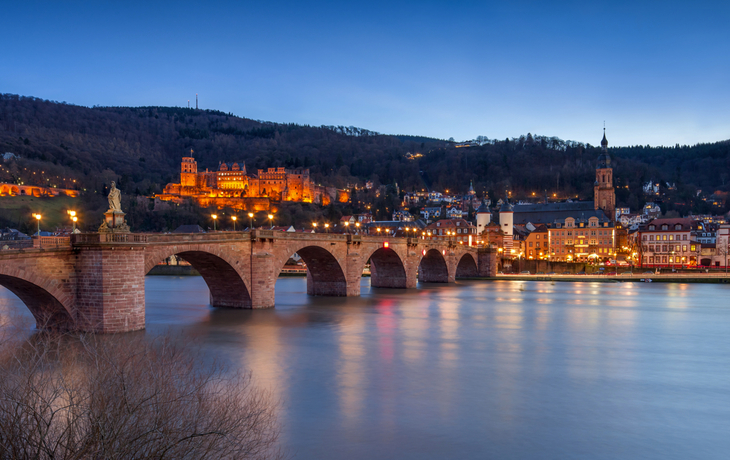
604, 195
189, 171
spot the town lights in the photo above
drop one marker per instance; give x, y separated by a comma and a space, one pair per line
215, 219
234, 219
385, 244
38, 218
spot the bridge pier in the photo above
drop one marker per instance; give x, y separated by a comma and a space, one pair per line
110, 288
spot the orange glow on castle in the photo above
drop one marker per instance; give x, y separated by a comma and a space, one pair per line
232, 186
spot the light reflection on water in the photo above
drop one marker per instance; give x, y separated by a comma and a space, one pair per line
477, 369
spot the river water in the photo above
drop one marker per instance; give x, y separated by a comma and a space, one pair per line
505, 369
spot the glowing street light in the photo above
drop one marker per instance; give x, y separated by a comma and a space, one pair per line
357, 224
234, 219
250, 220
327, 228
73, 219
314, 224
271, 220
215, 219
347, 227
38, 218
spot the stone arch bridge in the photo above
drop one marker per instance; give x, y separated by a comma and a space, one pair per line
95, 282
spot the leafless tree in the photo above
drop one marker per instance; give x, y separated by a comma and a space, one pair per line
64, 397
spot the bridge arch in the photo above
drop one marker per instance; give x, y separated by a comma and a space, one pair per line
325, 275
433, 267
387, 269
467, 267
225, 282
45, 300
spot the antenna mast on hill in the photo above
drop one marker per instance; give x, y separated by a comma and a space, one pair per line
196, 101
188, 103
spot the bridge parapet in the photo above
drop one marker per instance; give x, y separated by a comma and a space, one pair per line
172, 238
44, 242
101, 238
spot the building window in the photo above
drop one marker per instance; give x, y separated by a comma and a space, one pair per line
684, 237
684, 248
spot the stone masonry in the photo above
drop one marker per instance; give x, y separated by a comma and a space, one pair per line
97, 284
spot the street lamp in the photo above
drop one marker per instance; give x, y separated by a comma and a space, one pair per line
215, 219
73, 219
327, 228
357, 224
314, 224
234, 219
38, 218
347, 227
250, 220
271, 220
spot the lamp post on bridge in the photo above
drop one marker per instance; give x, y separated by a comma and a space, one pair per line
327, 228
72, 214
38, 218
271, 220
215, 220
234, 218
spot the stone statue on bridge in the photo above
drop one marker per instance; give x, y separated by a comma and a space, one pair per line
115, 198
114, 217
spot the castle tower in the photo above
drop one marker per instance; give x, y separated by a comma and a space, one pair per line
188, 171
604, 195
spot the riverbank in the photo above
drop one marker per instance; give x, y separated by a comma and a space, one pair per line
624, 277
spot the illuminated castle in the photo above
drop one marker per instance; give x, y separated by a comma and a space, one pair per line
231, 185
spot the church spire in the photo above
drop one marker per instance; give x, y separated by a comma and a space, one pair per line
604, 141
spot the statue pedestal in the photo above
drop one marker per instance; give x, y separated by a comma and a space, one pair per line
114, 223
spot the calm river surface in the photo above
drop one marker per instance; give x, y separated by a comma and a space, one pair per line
501, 370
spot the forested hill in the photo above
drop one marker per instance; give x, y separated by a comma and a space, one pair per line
142, 146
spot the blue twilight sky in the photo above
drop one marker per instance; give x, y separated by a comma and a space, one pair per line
656, 72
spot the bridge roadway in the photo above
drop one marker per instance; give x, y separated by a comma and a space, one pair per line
95, 281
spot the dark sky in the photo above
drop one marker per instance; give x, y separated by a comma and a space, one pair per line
656, 72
